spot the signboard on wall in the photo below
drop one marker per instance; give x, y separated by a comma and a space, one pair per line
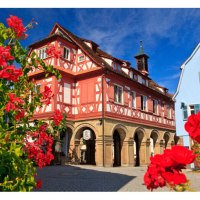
86, 134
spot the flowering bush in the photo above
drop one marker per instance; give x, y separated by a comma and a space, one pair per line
22, 145
166, 169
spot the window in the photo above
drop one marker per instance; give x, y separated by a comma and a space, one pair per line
42, 53
139, 79
37, 88
133, 100
189, 110
66, 53
114, 65
87, 92
185, 112
35, 92
143, 81
155, 106
81, 58
118, 94
131, 75
144, 103
194, 109
119, 67
67, 93
168, 112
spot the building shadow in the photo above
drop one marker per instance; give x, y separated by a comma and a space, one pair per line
78, 179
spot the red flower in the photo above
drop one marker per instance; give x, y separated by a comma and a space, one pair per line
38, 184
43, 127
51, 51
192, 126
181, 155
39, 147
162, 160
5, 56
20, 114
165, 169
13, 103
174, 178
153, 177
57, 117
16, 25
11, 73
46, 95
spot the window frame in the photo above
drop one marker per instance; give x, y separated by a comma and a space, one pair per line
67, 49
79, 61
169, 114
185, 109
155, 111
44, 52
142, 103
117, 100
133, 102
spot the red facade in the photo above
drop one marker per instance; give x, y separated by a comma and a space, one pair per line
87, 73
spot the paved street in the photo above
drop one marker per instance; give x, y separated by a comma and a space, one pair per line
81, 178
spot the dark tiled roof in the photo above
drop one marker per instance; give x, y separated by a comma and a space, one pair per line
97, 54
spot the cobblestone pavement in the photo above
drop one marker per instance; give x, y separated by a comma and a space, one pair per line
83, 178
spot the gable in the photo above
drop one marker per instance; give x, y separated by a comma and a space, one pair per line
189, 69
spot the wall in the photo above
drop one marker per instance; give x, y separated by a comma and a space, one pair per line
188, 93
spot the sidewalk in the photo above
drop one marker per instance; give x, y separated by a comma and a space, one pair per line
87, 178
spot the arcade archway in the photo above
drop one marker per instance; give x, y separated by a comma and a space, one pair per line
138, 137
87, 143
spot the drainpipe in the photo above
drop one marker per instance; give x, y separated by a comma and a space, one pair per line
103, 115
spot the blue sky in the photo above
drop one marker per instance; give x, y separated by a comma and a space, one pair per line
169, 35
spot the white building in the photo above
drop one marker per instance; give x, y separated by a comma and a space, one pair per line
187, 96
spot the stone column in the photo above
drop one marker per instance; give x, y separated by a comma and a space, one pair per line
148, 152
76, 151
108, 151
157, 148
124, 153
161, 146
99, 152
143, 153
131, 152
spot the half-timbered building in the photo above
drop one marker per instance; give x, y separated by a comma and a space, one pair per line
116, 114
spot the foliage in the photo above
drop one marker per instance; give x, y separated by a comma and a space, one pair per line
21, 144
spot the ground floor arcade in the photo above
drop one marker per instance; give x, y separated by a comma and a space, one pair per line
120, 144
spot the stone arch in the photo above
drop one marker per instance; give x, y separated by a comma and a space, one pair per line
62, 144
122, 131
65, 137
154, 142
77, 134
139, 137
119, 133
177, 140
166, 140
85, 149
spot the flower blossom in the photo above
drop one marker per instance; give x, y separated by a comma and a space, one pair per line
16, 25
192, 126
46, 95
5, 56
11, 73
57, 117
8, 71
165, 169
39, 146
38, 184
51, 51
14, 102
